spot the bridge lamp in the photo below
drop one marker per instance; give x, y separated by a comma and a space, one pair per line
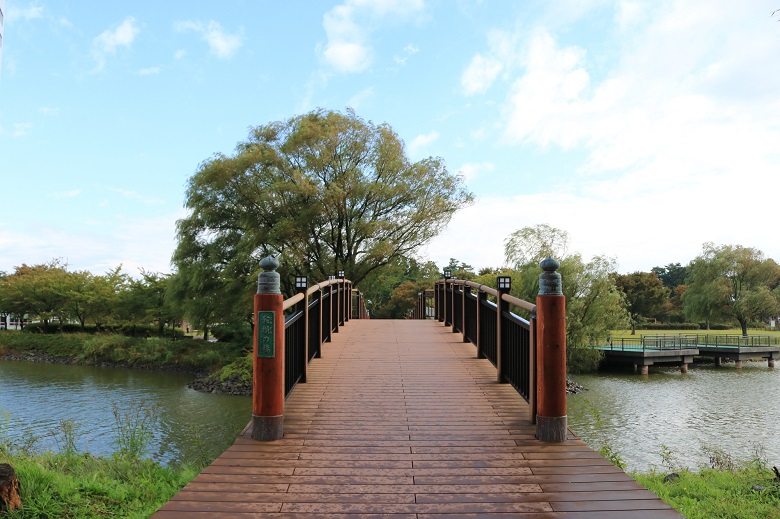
504, 283
341, 274
447, 273
301, 282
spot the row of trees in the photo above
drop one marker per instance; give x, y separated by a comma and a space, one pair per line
728, 284
52, 294
330, 192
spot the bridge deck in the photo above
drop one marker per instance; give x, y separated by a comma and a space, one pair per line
399, 420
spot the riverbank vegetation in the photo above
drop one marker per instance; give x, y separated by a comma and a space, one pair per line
724, 488
188, 355
73, 484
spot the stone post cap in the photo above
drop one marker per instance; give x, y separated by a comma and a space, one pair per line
268, 279
550, 280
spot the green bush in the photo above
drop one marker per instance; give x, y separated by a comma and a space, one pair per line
583, 359
240, 371
233, 332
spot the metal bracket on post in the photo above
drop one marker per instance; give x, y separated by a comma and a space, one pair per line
551, 418
268, 358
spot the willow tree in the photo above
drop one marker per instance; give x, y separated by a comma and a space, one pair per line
328, 190
732, 282
594, 305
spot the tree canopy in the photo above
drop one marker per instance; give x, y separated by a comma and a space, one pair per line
645, 295
594, 305
328, 190
732, 282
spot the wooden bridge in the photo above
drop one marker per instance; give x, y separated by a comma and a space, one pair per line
408, 419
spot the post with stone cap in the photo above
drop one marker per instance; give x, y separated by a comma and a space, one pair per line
268, 363
551, 419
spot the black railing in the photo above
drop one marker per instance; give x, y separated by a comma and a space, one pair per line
312, 316
470, 326
315, 332
516, 353
507, 342
294, 349
488, 332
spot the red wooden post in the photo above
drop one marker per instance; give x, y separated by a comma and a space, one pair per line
551, 419
268, 364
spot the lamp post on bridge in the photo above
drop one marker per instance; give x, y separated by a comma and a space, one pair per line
503, 285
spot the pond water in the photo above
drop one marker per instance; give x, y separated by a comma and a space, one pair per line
689, 415
36, 399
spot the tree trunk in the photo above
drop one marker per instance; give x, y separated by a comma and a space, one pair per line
743, 325
9, 488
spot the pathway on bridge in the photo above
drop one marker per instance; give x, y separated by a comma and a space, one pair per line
399, 419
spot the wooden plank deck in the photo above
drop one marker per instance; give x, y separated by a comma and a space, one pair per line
399, 419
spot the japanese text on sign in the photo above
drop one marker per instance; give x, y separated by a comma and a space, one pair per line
266, 347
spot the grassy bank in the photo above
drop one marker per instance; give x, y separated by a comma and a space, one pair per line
73, 484
161, 353
82, 486
747, 493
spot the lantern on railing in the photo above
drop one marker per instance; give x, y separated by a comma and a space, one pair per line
447, 273
301, 283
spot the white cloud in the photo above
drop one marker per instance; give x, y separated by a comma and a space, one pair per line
23, 12
151, 71
679, 130
361, 97
470, 171
49, 110
21, 129
138, 197
409, 50
179, 54
221, 44
348, 28
422, 141
73, 193
108, 41
480, 74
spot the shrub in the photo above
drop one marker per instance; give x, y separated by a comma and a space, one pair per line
583, 359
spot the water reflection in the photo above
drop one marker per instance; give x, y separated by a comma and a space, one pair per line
710, 407
191, 425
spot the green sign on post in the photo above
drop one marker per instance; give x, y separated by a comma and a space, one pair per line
266, 334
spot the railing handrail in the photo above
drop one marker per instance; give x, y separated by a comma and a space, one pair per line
525, 305
530, 356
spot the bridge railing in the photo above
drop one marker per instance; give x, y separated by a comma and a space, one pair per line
535, 367
288, 334
686, 341
734, 341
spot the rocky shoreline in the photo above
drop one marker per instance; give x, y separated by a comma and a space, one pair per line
229, 386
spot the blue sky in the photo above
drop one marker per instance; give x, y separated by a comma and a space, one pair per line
644, 129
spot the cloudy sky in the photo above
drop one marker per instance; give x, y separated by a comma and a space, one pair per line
643, 128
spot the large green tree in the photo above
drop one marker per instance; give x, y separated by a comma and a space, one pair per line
328, 190
731, 282
594, 305
645, 295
